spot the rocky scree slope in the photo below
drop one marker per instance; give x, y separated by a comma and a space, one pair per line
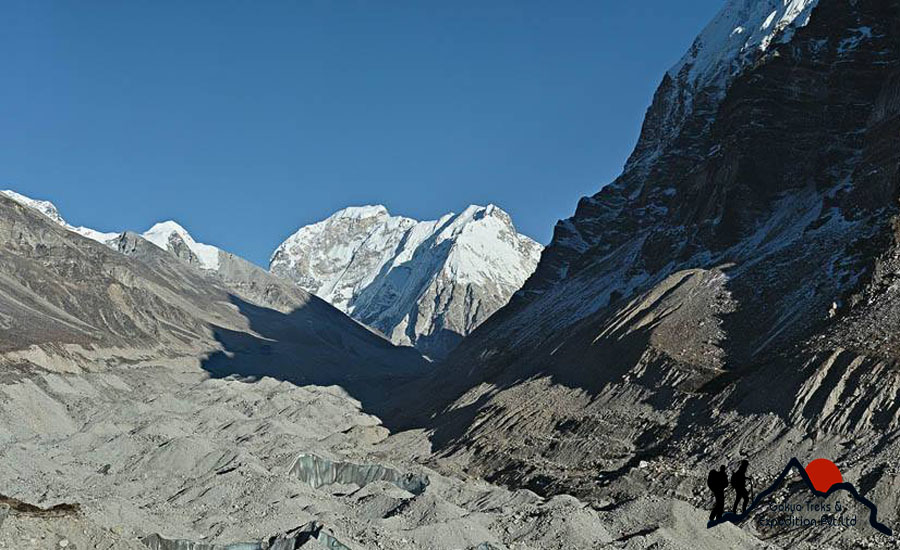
731, 294
421, 283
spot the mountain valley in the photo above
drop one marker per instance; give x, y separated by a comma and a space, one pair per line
390, 383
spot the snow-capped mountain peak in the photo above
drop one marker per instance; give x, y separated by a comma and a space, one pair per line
46, 208
741, 29
169, 235
422, 283
741, 35
361, 212
49, 209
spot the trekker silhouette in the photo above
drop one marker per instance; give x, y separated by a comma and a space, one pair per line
718, 482
739, 481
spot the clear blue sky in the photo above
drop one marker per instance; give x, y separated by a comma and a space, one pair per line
245, 120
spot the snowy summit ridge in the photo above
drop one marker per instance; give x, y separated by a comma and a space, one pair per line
169, 235
49, 209
741, 30
738, 37
422, 283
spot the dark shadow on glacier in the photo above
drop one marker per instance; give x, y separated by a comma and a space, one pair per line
312, 345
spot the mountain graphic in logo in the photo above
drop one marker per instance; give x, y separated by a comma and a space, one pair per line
823, 478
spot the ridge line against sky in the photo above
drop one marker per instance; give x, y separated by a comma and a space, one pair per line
245, 122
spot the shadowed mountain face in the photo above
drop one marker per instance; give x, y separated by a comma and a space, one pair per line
732, 293
70, 303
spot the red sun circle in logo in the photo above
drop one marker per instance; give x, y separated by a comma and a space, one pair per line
823, 474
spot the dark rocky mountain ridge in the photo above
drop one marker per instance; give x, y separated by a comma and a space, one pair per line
731, 294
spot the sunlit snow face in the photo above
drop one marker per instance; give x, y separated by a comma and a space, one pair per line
161, 235
740, 30
406, 277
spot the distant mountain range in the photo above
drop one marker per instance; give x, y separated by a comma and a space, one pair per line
422, 284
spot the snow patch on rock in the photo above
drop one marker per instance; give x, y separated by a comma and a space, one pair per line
165, 234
